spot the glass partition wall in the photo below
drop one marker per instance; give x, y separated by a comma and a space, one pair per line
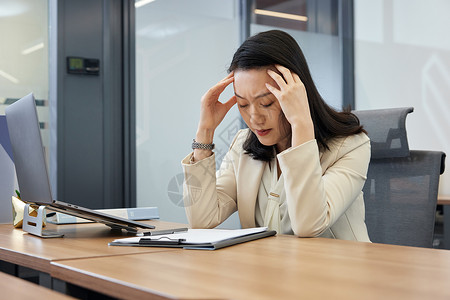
182, 49
402, 59
24, 56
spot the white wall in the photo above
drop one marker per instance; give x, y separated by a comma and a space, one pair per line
182, 49
402, 58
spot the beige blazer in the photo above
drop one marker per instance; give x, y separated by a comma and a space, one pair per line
323, 189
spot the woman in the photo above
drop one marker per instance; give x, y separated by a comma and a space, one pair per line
300, 166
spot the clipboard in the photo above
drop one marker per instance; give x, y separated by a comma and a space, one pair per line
200, 239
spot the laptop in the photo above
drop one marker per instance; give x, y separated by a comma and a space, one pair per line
31, 169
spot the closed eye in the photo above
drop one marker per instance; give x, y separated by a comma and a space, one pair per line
267, 105
243, 105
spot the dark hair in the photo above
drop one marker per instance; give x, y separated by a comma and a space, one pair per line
277, 47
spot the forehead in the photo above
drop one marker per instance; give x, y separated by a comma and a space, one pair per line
253, 75
251, 83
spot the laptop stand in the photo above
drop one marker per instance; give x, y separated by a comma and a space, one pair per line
33, 225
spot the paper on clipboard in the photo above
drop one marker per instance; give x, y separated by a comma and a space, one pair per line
197, 238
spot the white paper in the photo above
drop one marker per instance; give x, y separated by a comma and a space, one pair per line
198, 236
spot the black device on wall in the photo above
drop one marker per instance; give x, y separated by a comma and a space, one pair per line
83, 66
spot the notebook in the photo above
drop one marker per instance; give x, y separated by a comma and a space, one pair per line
31, 169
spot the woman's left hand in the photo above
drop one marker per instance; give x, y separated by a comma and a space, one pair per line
293, 100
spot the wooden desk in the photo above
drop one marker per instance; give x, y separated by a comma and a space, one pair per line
18, 289
281, 267
79, 241
443, 200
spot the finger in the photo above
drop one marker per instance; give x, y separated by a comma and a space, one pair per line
296, 77
229, 104
278, 78
229, 76
276, 92
287, 74
220, 86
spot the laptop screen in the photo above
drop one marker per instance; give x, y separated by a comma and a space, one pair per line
28, 151
31, 169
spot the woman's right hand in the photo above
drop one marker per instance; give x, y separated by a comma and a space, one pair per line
212, 111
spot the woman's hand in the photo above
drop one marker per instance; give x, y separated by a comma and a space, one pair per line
293, 100
212, 112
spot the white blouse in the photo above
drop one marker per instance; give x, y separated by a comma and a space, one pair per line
271, 208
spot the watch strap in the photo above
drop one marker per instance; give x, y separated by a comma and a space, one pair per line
197, 145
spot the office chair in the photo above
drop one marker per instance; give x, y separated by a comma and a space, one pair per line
400, 192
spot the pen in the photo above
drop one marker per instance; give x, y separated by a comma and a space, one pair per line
161, 232
159, 242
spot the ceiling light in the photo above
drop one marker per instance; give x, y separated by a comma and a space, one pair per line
280, 15
9, 77
140, 3
33, 48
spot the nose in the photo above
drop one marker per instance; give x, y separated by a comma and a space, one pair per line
256, 117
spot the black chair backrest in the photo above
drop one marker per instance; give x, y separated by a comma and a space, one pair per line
400, 192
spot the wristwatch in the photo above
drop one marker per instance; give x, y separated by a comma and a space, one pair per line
197, 145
